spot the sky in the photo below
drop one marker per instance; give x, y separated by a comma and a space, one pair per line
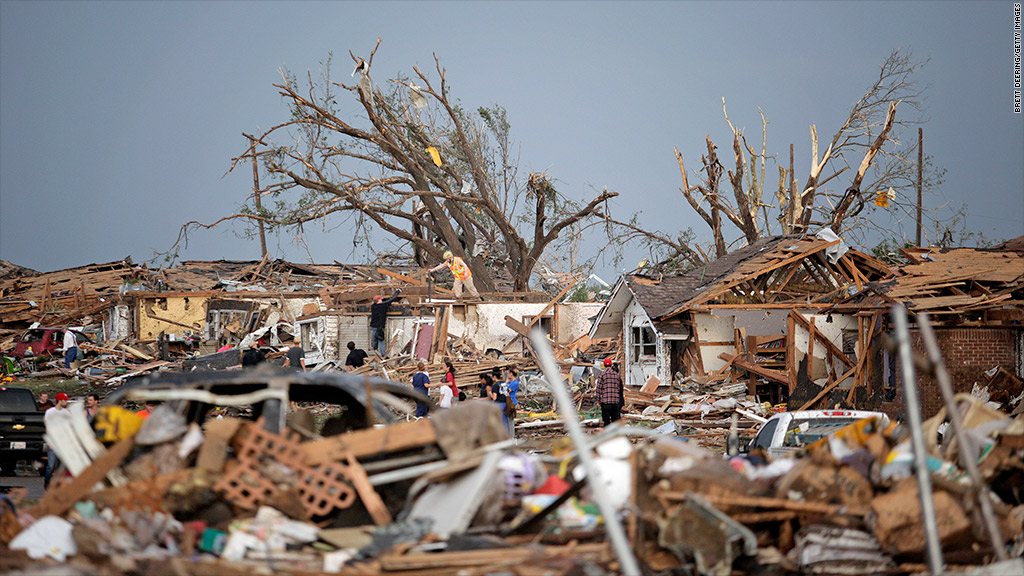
119, 120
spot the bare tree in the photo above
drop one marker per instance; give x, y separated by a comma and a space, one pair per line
413, 164
870, 136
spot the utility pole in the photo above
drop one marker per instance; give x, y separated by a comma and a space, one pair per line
792, 194
920, 167
259, 205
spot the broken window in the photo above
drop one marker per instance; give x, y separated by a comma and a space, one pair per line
644, 343
889, 372
310, 332
545, 323
850, 337
221, 322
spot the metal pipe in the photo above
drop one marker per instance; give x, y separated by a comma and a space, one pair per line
967, 451
616, 533
913, 407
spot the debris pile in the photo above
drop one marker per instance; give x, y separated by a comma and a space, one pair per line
192, 491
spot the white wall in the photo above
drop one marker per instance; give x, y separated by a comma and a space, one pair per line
637, 373
714, 328
833, 331
718, 325
484, 323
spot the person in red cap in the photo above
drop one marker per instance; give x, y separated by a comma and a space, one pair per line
609, 393
53, 415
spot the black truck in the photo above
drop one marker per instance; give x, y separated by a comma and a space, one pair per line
21, 429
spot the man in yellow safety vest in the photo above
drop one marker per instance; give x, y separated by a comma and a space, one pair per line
463, 276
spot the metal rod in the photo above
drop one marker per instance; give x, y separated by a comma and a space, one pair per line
616, 533
967, 450
913, 407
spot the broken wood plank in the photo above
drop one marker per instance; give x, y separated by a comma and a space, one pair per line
651, 385
537, 317
828, 389
490, 558
744, 277
370, 441
774, 375
371, 500
175, 322
729, 359
401, 277
821, 338
137, 353
214, 450
58, 500
717, 500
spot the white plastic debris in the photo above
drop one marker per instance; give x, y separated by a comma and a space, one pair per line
50, 537
416, 95
192, 440
618, 448
614, 475
833, 253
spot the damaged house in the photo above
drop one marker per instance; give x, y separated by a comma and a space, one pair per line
197, 307
975, 301
753, 317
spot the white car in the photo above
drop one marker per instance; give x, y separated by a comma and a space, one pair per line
790, 431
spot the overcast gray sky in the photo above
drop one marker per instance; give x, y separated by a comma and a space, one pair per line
118, 120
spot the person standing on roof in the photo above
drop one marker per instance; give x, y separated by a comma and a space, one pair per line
461, 272
609, 393
378, 319
70, 348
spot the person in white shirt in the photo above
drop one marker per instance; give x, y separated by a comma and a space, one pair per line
446, 397
70, 348
58, 412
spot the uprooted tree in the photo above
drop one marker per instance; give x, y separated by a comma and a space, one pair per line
418, 167
870, 141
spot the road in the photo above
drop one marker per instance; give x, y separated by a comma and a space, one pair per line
26, 478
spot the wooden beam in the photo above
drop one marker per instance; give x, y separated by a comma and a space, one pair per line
718, 373
821, 338
773, 375
58, 500
400, 277
810, 349
774, 503
791, 352
698, 354
857, 277
827, 389
858, 377
538, 316
370, 442
730, 284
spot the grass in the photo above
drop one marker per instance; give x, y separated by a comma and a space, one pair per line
54, 385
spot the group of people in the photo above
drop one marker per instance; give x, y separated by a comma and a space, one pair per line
504, 391
54, 411
57, 409
493, 388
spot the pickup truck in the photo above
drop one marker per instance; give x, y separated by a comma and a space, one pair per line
21, 428
788, 432
45, 342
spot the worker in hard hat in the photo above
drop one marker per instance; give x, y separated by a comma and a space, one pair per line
463, 276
